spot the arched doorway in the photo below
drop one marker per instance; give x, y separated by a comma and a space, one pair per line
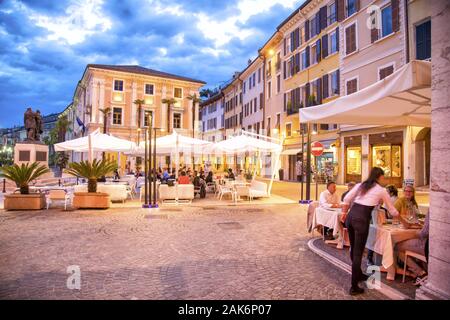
422, 157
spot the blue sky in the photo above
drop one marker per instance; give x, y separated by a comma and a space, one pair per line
46, 44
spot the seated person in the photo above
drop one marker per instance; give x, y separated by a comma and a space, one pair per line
198, 182
209, 177
172, 176
183, 178
408, 208
393, 195
231, 174
418, 245
241, 176
116, 175
329, 199
350, 186
165, 175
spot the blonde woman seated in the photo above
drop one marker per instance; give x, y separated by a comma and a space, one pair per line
408, 208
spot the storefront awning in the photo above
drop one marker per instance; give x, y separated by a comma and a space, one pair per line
403, 98
291, 152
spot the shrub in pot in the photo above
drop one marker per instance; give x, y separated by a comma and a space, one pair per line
22, 175
91, 171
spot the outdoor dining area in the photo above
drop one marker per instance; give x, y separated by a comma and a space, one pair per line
162, 183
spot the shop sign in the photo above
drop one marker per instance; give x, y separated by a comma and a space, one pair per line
317, 149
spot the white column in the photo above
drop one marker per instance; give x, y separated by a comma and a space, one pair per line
93, 98
133, 106
164, 108
365, 156
101, 101
438, 283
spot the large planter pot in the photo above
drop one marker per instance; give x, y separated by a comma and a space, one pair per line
17, 201
87, 200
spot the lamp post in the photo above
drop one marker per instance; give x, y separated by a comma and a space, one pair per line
154, 204
145, 205
308, 164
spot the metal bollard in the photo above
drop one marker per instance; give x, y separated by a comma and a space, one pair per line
59, 182
4, 185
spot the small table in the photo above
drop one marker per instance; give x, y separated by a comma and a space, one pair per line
382, 240
329, 218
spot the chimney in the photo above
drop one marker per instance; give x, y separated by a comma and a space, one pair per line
249, 61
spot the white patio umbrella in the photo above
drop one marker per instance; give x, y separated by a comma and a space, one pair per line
402, 98
96, 142
250, 142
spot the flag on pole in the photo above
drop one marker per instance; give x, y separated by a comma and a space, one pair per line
81, 124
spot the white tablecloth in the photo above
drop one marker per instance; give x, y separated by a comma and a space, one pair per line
382, 240
328, 218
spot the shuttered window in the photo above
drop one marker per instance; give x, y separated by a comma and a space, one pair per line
350, 39
423, 41
384, 72
352, 86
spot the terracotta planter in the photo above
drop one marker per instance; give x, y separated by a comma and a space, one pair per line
17, 201
86, 200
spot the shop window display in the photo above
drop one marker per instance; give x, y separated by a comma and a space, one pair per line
387, 158
354, 160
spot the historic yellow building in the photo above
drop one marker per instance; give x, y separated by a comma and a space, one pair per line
108, 93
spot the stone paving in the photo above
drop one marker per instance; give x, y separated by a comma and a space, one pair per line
185, 252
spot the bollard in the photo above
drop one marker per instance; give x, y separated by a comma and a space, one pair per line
4, 185
59, 182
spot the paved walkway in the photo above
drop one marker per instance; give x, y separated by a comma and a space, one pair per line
236, 252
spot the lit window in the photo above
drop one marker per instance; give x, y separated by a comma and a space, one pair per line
117, 116
177, 121
178, 93
147, 114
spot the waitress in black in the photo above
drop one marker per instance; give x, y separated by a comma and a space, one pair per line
362, 199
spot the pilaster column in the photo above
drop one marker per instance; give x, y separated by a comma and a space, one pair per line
438, 283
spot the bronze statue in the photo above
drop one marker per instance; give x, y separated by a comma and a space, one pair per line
29, 120
38, 132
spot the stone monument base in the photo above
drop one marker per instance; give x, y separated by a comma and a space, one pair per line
33, 151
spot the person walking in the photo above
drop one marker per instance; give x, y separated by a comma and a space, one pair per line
361, 200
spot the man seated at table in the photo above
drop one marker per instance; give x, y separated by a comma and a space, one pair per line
183, 178
329, 199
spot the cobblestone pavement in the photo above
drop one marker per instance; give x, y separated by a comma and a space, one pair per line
175, 253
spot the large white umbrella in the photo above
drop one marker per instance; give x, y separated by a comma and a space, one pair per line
175, 143
96, 142
252, 143
402, 98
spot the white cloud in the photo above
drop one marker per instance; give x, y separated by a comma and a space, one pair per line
179, 38
165, 9
215, 52
223, 31
163, 51
83, 18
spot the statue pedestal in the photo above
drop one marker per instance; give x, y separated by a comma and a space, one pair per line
29, 152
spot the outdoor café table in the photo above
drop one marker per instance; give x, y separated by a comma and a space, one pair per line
329, 218
382, 240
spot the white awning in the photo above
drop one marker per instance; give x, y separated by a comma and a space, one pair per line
403, 98
291, 152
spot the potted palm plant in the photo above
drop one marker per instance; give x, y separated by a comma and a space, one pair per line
22, 175
91, 171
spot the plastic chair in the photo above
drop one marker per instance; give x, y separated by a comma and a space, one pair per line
58, 195
412, 255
